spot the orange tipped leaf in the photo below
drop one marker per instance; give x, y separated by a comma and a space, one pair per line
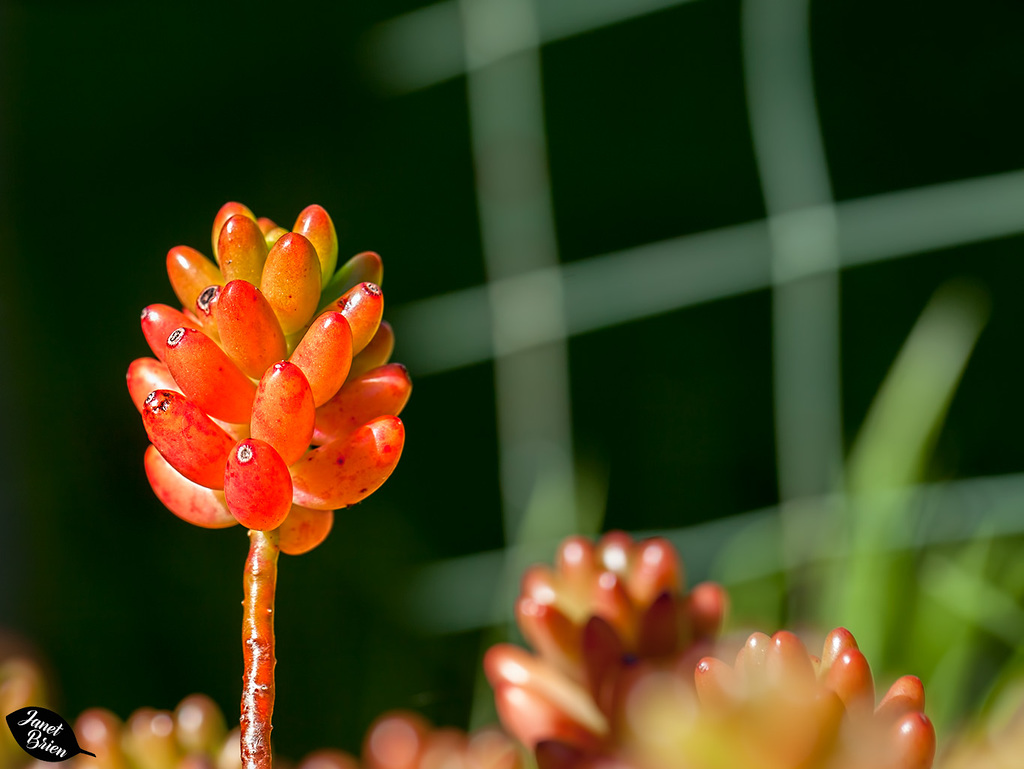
376, 353
257, 486
283, 411
190, 272
377, 393
363, 307
226, 212
189, 501
146, 375
291, 281
208, 377
304, 529
241, 249
249, 331
316, 226
349, 470
324, 355
186, 437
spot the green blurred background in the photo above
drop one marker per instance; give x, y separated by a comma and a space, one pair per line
125, 126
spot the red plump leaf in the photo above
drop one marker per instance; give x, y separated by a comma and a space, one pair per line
203, 311
249, 331
291, 281
376, 353
366, 267
241, 249
257, 486
226, 212
190, 272
316, 226
283, 411
304, 529
158, 321
189, 501
324, 355
146, 375
186, 437
377, 393
348, 470
208, 377
363, 307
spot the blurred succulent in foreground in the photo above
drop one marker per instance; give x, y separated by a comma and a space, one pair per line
272, 352
784, 707
605, 612
194, 736
621, 680
778, 707
402, 740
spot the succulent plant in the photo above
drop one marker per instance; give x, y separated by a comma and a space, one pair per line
271, 354
270, 403
603, 612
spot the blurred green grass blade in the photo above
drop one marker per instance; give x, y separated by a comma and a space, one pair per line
1004, 700
980, 589
482, 711
899, 431
962, 587
957, 586
866, 592
952, 674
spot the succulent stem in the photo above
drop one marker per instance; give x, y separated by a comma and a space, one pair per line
260, 581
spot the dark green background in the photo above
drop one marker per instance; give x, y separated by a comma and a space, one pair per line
126, 125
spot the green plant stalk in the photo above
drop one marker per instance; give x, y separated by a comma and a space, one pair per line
260, 583
889, 457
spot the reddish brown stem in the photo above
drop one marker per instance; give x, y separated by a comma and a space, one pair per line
258, 648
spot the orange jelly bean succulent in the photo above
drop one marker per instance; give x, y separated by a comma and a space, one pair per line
270, 402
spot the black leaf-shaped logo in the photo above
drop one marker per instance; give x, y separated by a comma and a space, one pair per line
44, 735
